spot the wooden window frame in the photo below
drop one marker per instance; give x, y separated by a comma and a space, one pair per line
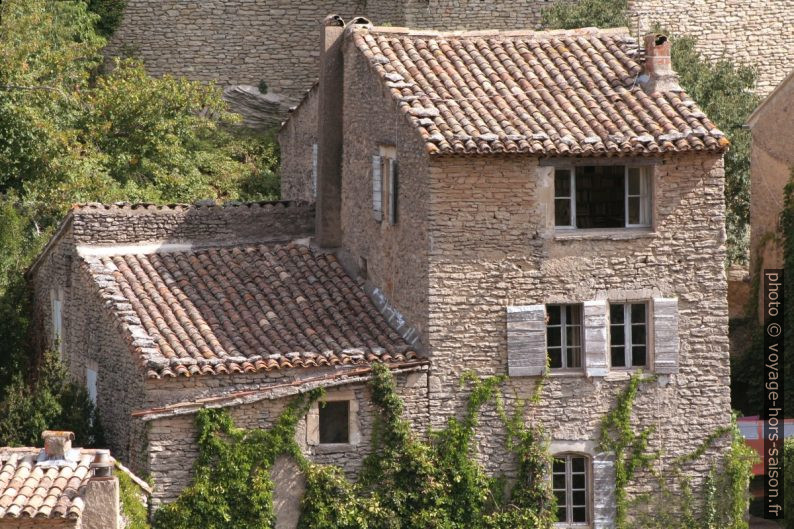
588, 490
645, 196
628, 341
563, 326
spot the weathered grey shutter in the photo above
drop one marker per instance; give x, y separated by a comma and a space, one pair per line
665, 335
595, 338
377, 189
314, 169
392, 191
604, 506
526, 340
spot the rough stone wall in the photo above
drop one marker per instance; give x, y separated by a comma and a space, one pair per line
276, 221
90, 334
241, 42
771, 163
236, 42
751, 32
396, 254
494, 246
297, 139
173, 448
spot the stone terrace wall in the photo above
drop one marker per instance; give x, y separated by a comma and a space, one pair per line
499, 251
234, 42
128, 224
751, 32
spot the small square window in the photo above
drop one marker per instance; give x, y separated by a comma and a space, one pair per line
335, 422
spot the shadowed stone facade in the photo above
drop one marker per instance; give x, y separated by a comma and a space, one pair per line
771, 163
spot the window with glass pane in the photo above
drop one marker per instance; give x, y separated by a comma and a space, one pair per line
602, 196
563, 198
564, 336
638, 197
570, 486
628, 334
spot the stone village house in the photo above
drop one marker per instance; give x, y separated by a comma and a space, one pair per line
487, 201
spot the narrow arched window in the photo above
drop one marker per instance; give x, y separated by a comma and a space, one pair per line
571, 485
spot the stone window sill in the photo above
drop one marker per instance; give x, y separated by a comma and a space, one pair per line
334, 448
566, 373
616, 234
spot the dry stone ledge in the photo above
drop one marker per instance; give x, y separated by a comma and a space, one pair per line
259, 111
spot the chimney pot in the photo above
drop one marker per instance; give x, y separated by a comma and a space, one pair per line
658, 75
57, 443
102, 464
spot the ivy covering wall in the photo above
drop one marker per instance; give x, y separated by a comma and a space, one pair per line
411, 483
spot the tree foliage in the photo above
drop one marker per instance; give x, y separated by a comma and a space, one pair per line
50, 401
724, 91
586, 13
72, 132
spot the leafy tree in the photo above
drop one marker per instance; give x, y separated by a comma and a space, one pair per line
110, 14
724, 92
71, 132
586, 13
50, 402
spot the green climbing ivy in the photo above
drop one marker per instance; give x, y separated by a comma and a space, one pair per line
232, 488
406, 483
673, 503
630, 448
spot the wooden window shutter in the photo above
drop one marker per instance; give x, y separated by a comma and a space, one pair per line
665, 335
377, 189
392, 191
526, 340
595, 338
604, 503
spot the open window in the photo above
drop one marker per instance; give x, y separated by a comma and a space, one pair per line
602, 196
335, 422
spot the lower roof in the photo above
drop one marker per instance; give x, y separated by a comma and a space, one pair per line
243, 309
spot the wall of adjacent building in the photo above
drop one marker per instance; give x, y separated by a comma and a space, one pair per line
500, 250
243, 42
771, 163
298, 142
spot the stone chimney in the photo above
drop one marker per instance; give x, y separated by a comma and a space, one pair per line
328, 230
658, 75
57, 444
101, 495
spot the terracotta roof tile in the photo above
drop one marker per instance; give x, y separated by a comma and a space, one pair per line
243, 309
570, 93
29, 489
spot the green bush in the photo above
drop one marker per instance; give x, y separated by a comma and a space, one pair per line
50, 402
586, 13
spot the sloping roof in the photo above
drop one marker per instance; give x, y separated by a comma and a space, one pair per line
244, 308
33, 490
560, 93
